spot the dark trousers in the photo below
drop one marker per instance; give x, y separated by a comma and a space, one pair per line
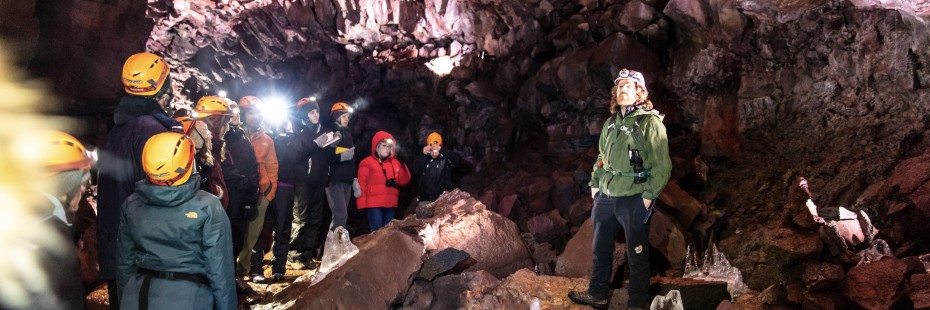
240, 227
379, 217
308, 220
113, 294
610, 214
279, 215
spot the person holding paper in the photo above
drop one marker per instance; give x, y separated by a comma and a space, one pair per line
342, 181
313, 176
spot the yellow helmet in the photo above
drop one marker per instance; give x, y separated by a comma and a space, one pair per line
434, 137
168, 159
64, 153
144, 74
212, 105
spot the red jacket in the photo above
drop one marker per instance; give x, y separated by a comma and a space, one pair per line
372, 178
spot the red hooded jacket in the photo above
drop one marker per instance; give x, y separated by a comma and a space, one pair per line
373, 174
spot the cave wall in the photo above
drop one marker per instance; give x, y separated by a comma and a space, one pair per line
756, 93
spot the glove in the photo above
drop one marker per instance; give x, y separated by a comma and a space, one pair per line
356, 188
321, 140
593, 192
347, 155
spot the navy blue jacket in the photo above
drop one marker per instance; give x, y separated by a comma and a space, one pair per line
120, 167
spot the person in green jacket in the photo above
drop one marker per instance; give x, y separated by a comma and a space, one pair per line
632, 167
175, 244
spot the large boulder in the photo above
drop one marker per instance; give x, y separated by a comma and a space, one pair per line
462, 222
875, 285
666, 236
381, 271
547, 226
785, 247
578, 258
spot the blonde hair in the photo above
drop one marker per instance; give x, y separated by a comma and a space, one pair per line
642, 98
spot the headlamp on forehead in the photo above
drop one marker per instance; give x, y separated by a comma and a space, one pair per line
630, 75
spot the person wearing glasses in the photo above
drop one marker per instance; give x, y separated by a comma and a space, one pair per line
631, 170
139, 115
380, 177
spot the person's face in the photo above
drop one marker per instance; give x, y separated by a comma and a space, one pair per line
314, 116
75, 202
435, 149
626, 94
253, 118
216, 122
385, 148
343, 120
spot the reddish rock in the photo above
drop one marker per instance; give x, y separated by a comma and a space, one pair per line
451, 291
681, 206
875, 285
506, 205
519, 290
720, 135
580, 211
622, 51
822, 276
634, 17
578, 258
362, 275
548, 226
462, 222
536, 194
564, 191
918, 289
573, 74
784, 247
667, 237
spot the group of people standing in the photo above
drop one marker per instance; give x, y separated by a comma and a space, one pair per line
183, 200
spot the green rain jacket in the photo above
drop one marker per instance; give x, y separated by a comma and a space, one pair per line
175, 229
613, 159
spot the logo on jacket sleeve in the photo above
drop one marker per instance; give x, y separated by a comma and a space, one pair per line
191, 215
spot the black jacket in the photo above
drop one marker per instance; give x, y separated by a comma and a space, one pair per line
240, 172
434, 174
343, 171
315, 161
290, 153
120, 167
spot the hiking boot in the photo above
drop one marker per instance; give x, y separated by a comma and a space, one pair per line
258, 278
312, 264
277, 277
242, 288
586, 299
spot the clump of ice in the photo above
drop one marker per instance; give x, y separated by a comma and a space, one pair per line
876, 251
671, 301
337, 251
715, 267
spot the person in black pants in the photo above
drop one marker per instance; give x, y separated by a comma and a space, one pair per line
240, 171
313, 172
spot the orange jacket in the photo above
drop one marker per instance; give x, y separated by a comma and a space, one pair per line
373, 175
267, 163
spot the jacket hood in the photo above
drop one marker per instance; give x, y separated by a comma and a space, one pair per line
381, 136
131, 107
167, 196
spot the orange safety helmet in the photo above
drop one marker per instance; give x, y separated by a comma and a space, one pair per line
64, 153
340, 107
145, 74
250, 102
212, 105
434, 137
168, 159
187, 123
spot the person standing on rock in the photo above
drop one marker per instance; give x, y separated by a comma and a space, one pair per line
631, 170
342, 171
380, 177
434, 169
138, 116
175, 245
